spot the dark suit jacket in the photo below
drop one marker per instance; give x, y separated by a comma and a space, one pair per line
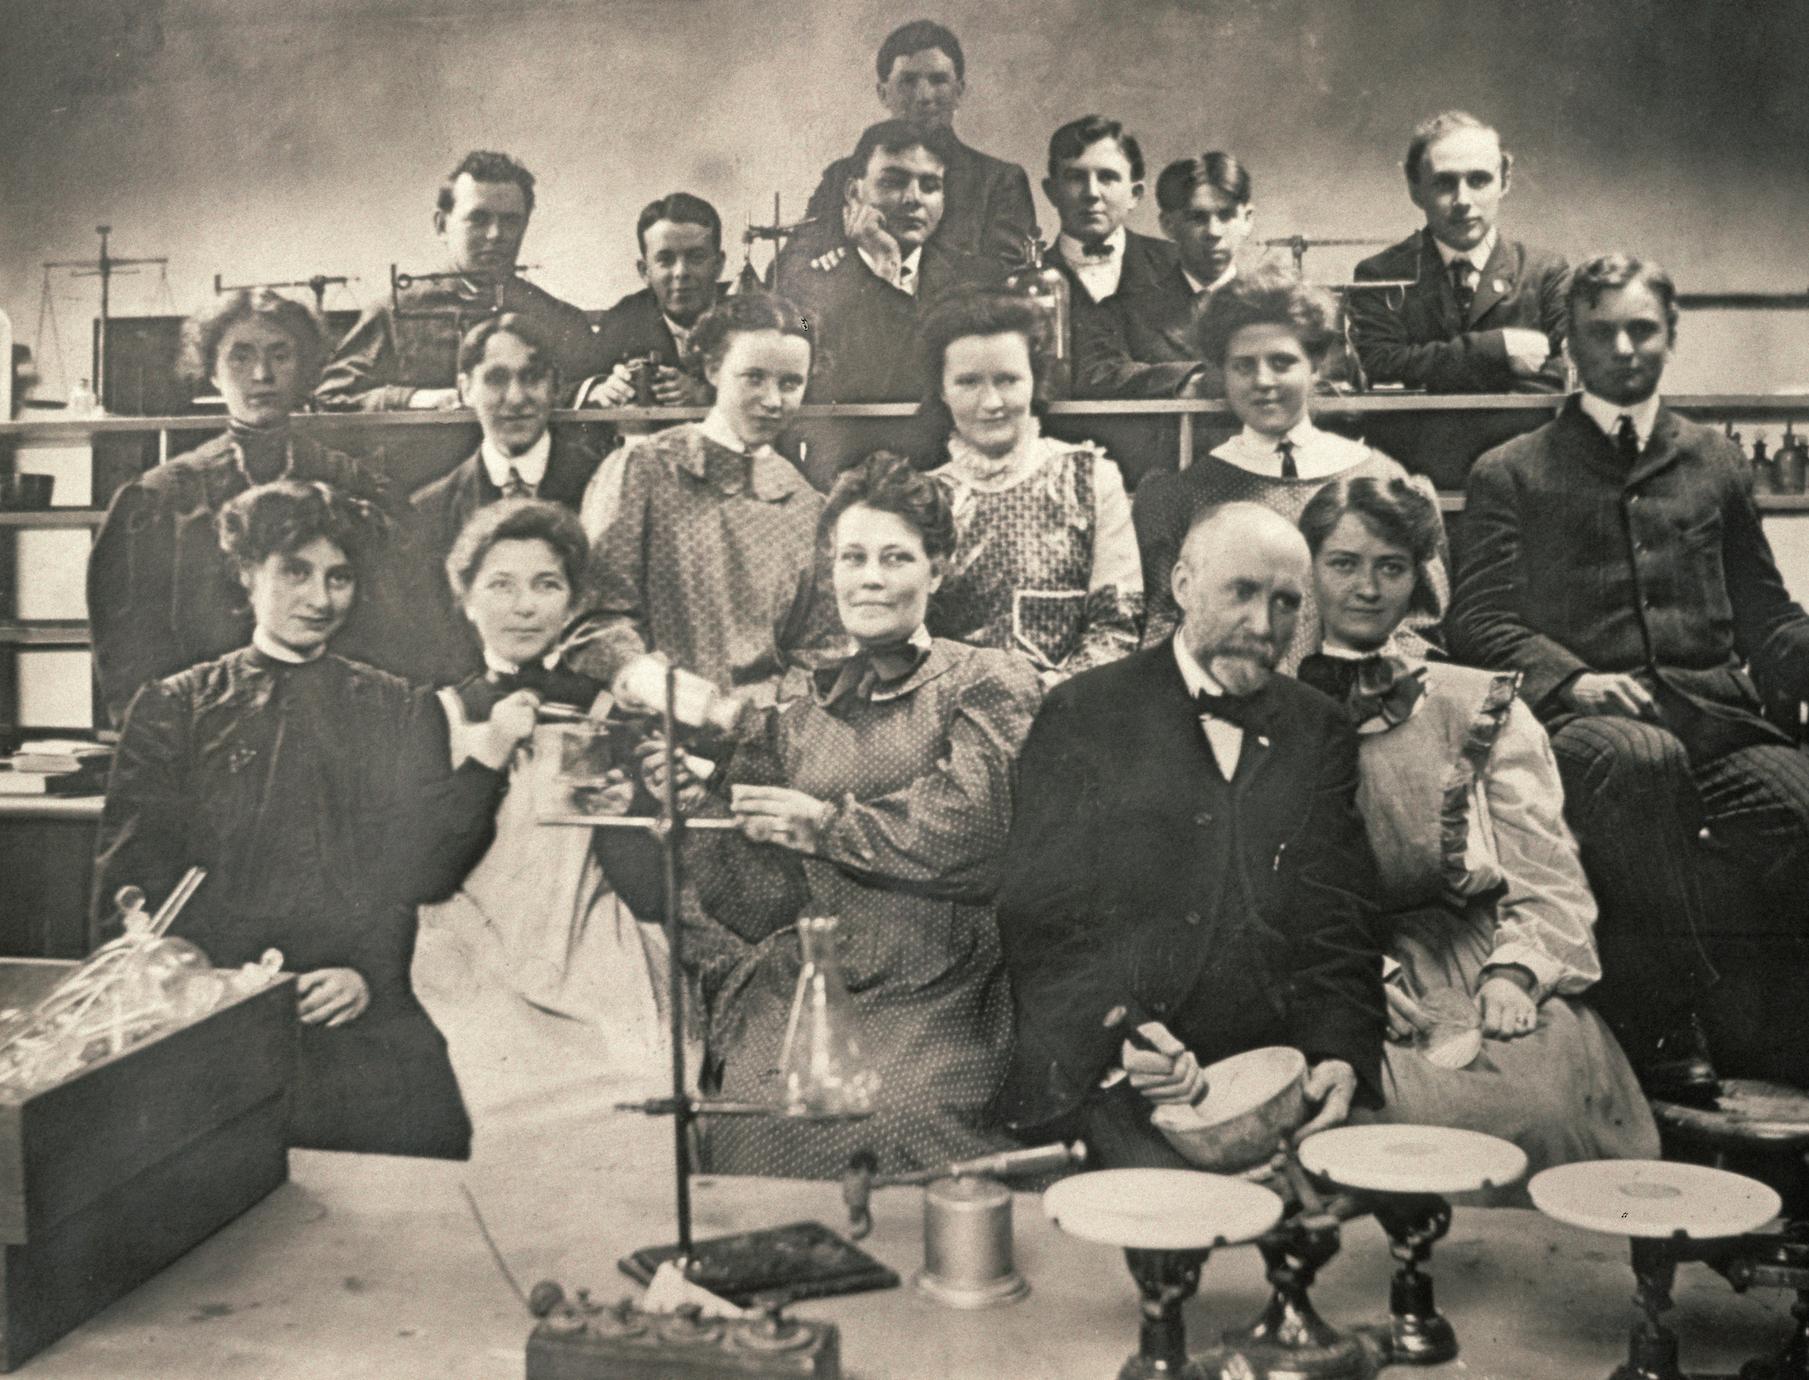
390, 353
866, 341
1136, 344
1238, 913
635, 328
989, 211
1416, 336
443, 647
1568, 563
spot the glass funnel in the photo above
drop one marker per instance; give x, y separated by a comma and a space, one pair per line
824, 1071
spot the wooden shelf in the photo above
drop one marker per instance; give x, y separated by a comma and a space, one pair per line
59, 632
1383, 400
52, 517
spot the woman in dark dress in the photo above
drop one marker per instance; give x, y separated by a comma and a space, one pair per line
317, 793
882, 798
161, 596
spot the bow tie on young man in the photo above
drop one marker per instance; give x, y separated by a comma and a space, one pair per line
1370, 687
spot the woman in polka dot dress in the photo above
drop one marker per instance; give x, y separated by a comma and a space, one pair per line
884, 799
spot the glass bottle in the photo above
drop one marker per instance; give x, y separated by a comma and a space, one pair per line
825, 1074
1043, 284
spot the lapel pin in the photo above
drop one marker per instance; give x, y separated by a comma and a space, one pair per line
1262, 740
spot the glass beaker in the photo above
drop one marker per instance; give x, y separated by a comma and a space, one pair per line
825, 1074
571, 764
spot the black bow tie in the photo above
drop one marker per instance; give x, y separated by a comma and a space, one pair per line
870, 669
1104, 250
1233, 709
1370, 687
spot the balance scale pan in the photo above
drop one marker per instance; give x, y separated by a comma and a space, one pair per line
1653, 1198
1412, 1159
1161, 1209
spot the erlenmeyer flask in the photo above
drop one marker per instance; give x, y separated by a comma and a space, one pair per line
825, 1073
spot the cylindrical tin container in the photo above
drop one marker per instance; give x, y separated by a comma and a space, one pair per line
967, 1245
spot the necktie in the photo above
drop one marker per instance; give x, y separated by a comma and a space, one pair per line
1374, 686
1461, 286
1289, 470
1233, 709
1626, 440
515, 486
904, 278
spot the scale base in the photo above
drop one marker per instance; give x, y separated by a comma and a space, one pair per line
1347, 1358
802, 1260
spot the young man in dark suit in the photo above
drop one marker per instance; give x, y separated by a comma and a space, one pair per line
404, 355
1485, 313
922, 78
507, 377
865, 293
680, 238
1614, 557
1187, 865
1095, 181
1139, 345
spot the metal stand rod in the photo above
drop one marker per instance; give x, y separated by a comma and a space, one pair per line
671, 836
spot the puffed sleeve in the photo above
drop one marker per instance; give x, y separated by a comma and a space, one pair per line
1545, 920
944, 834
1114, 617
751, 889
142, 840
1159, 515
131, 570
616, 630
444, 816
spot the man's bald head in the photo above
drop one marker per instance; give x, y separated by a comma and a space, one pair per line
1239, 582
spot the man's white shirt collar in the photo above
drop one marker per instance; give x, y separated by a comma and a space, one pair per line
1226, 739
1478, 254
1608, 415
1217, 283
1099, 274
910, 269
530, 464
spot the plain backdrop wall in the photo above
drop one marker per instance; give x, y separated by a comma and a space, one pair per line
274, 139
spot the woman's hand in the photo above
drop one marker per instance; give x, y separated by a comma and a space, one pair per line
1331, 1083
1406, 1017
653, 758
1508, 1009
778, 814
511, 721
332, 996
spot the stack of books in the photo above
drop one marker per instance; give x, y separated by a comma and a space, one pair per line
57, 766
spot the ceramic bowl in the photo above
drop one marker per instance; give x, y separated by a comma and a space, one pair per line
1253, 1101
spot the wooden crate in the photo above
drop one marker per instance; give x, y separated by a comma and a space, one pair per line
113, 1173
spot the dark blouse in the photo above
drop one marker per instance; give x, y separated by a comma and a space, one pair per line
162, 596
320, 800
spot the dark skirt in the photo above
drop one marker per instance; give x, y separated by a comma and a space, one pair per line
382, 1085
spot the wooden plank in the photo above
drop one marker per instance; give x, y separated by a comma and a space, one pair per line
45, 632
63, 1148
53, 517
54, 1283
